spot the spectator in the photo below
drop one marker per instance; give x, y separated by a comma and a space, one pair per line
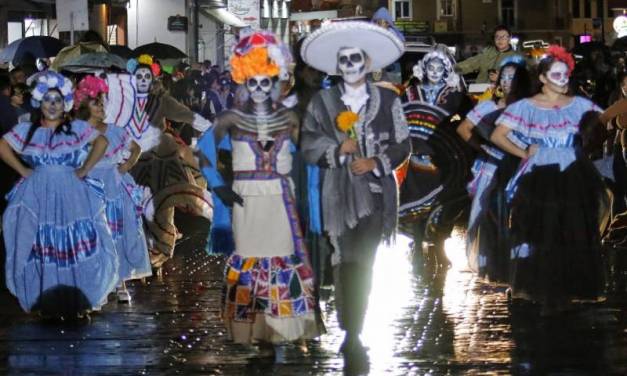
490, 58
18, 76
9, 117
17, 96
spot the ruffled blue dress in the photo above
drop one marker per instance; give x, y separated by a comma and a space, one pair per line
558, 204
59, 250
124, 208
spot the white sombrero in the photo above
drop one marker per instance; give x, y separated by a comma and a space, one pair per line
320, 48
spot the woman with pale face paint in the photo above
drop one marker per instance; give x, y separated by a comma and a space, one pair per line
261, 134
487, 227
558, 200
123, 197
435, 169
61, 257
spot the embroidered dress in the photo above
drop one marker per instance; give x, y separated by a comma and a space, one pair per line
59, 247
269, 283
558, 204
124, 207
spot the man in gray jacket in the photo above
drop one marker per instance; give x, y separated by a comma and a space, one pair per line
359, 193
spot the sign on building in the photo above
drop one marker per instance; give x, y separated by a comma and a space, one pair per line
72, 15
177, 23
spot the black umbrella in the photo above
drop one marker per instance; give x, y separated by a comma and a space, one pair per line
37, 46
122, 51
159, 51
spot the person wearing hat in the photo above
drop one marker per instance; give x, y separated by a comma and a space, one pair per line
357, 134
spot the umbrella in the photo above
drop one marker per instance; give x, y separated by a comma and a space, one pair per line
94, 61
159, 51
37, 46
72, 52
122, 51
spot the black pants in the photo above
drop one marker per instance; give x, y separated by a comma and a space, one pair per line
353, 275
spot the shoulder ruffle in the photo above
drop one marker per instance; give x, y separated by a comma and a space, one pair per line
118, 138
537, 122
46, 141
479, 111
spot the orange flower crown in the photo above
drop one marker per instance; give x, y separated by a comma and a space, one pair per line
256, 62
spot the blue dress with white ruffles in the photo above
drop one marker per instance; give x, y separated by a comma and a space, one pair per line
124, 207
55, 231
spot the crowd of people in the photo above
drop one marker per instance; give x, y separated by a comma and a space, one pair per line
101, 161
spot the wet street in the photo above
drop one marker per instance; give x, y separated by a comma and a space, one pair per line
416, 325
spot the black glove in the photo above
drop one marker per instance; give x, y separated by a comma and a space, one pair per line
227, 196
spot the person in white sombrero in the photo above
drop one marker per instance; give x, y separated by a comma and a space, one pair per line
357, 134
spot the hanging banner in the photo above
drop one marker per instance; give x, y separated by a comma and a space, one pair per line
249, 12
72, 12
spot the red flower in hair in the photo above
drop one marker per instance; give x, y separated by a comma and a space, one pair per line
156, 69
559, 53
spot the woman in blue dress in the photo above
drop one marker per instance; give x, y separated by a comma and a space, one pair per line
558, 200
124, 207
487, 248
60, 256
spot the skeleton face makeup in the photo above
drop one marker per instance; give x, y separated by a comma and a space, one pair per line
351, 63
52, 105
143, 77
558, 74
507, 76
259, 88
435, 71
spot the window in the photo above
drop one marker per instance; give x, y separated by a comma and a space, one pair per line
599, 9
576, 9
447, 8
508, 12
112, 34
587, 9
15, 31
402, 9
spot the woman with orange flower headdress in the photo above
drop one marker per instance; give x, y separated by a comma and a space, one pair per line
269, 295
558, 200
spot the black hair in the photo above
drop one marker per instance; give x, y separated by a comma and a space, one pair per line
5, 82
93, 36
23, 88
501, 27
521, 84
36, 118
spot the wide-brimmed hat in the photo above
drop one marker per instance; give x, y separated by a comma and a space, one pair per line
320, 49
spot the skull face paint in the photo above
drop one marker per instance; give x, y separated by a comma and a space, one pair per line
435, 71
558, 75
52, 105
143, 77
507, 76
259, 88
351, 63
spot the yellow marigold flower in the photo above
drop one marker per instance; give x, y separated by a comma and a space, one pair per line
145, 59
346, 120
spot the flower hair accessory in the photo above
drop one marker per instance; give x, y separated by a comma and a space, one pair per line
90, 87
133, 64
560, 54
259, 53
50, 80
513, 59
